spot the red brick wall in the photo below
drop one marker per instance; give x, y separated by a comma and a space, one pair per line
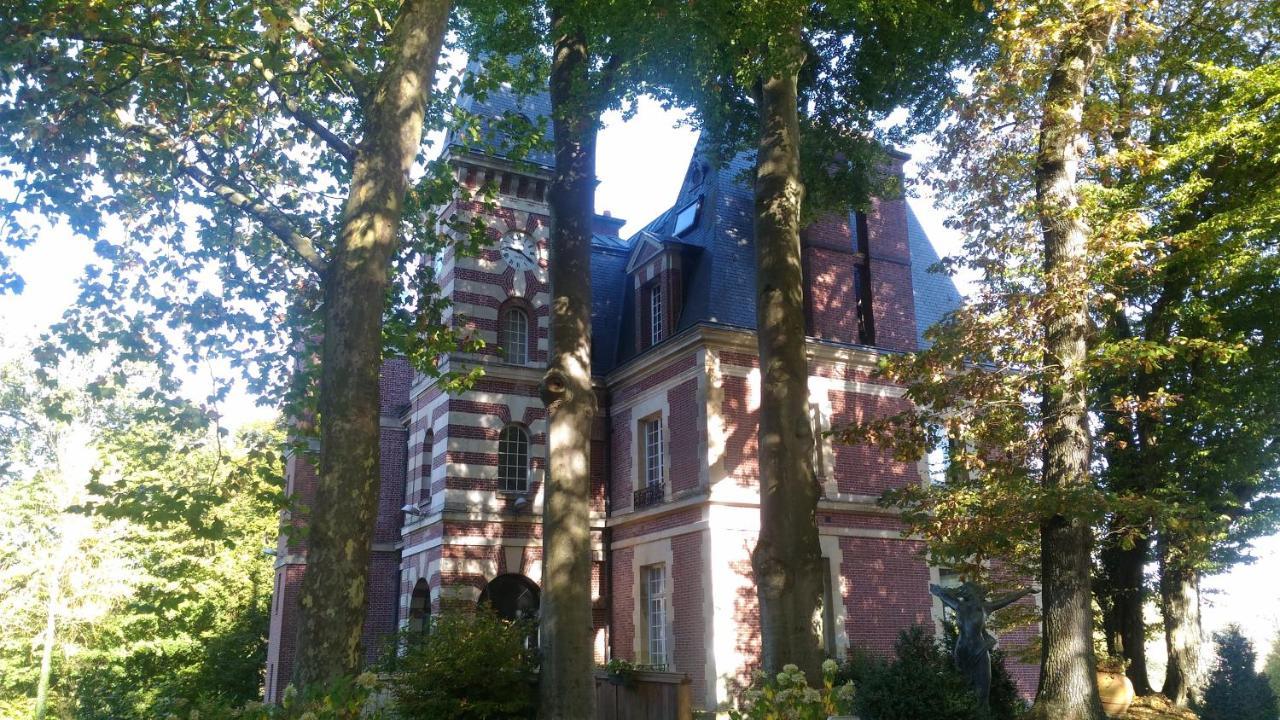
831, 305
382, 598
283, 635
621, 480
892, 302
684, 429
622, 632
888, 590
865, 469
741, 425
687, 597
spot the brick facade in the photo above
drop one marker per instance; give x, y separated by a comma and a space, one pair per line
452, 522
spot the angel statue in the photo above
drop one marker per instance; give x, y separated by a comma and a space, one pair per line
973, 643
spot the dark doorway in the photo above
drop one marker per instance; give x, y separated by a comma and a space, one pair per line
512, 596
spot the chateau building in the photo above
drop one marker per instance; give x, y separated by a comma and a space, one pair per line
675, 503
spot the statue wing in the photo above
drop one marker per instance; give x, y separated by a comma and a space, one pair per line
1006, 600
944, 595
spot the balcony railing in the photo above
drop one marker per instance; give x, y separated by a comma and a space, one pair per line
649, 495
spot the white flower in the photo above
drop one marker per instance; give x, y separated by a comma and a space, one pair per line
811, 695
367, 680
829, 666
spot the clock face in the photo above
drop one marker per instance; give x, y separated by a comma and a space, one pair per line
519, 250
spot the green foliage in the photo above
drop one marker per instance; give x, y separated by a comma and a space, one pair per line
1271, 667
469, 666
360, 698
789, 697
921, 682
1235, 690
155, 610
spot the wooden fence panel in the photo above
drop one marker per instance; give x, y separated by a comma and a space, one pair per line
644, 696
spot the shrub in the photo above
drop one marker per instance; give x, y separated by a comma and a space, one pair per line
358, 698
1235, 690
920, 682
470, 666
789, 697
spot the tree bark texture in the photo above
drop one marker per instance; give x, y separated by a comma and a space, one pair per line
1068, 683
567, 682
1180, 606
355, 286
1125, 600
787, 559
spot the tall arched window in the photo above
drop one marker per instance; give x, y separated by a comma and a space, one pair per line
513, 459
420, 608
515, 335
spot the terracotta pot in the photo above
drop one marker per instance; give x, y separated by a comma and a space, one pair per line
1116, 691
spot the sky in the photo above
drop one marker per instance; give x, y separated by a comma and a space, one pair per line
640, 165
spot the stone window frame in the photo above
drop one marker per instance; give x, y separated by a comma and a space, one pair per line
521, 441
521, 305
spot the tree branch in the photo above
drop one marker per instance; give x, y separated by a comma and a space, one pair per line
304, 118
270, 217
213, 53
333, 57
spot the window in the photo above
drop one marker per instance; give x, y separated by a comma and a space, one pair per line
515, 336
654, 591
941, 458
513, 459
687, 218
424, 480
862, 284
655, 313
420, 608
652, 485
818, 419
828, 611
653, 452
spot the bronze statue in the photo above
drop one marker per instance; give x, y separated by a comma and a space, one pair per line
974, 644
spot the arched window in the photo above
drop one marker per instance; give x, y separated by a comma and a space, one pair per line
420, 607
513, 459
515, 335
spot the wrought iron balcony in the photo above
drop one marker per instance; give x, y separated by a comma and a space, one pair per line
649, 495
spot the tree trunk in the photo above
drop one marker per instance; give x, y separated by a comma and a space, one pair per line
1126, 599
1068, 684
355, 287
1180, 606
567, 683
787, 559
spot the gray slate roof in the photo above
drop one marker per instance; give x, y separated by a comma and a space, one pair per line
717, 253
935, 293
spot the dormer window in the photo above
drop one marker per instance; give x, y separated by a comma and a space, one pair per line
687, 218
656, 328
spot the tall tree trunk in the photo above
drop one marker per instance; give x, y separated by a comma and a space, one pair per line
1180, 606
1126, 599
567, 683
787, 559
1068, 684
355, 288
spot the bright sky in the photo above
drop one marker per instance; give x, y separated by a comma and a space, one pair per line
640, 164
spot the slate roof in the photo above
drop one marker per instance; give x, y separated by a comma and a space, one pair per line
495, 105
934, 292
717, 254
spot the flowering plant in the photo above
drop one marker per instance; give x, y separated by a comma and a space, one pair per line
789, 697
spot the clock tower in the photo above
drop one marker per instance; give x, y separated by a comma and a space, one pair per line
476, 461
